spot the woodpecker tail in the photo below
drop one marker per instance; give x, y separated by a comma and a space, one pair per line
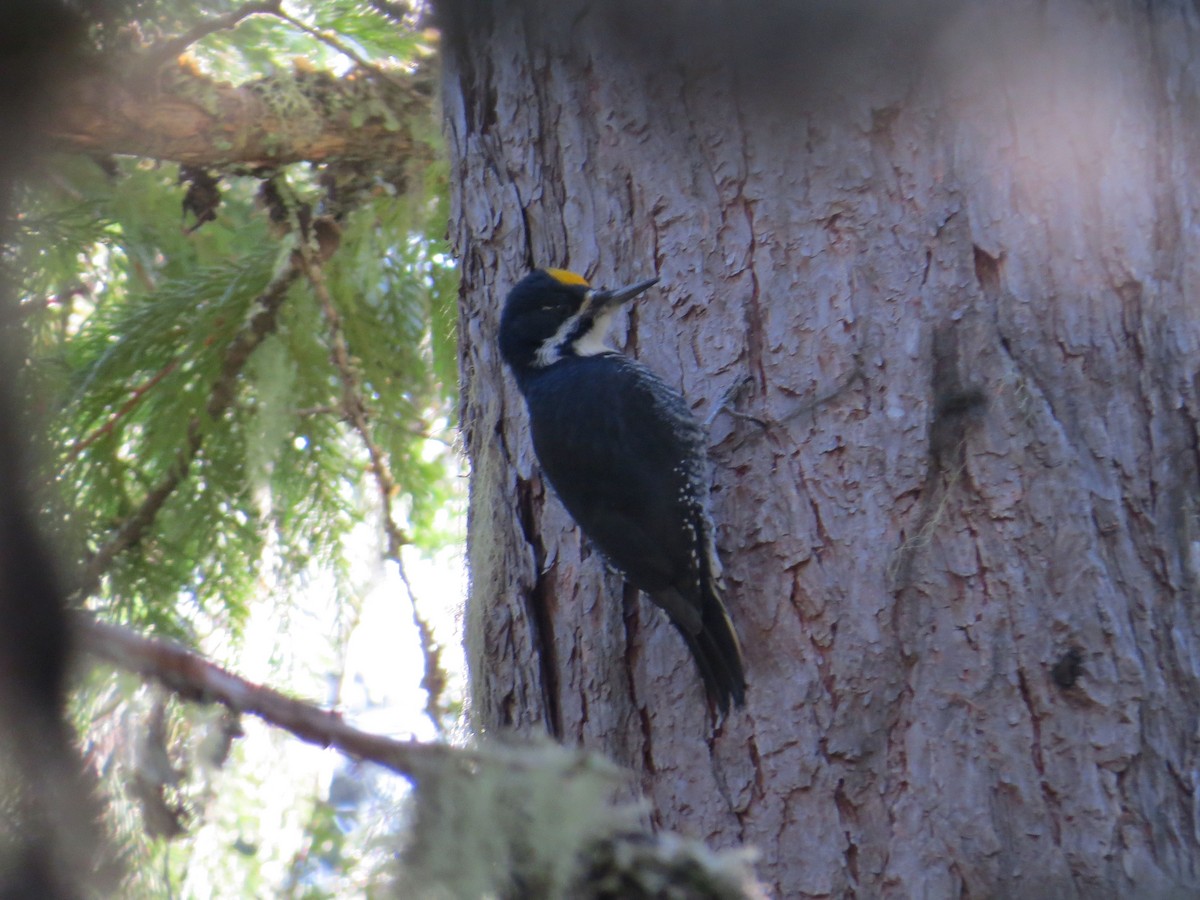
714, 644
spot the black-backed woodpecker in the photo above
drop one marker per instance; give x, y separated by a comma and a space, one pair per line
625, 456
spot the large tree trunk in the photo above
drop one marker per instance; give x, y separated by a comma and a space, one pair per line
955, 282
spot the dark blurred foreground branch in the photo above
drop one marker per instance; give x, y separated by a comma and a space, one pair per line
50, 843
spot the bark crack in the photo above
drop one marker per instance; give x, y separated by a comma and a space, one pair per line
538, 610
1036, 753
630, 619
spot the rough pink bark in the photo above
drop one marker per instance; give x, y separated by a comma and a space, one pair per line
960, 288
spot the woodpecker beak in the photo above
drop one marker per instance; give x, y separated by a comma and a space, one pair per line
602, 300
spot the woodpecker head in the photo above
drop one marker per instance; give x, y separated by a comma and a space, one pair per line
553, 313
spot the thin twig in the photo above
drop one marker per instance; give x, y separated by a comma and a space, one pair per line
305, 412
355, 410
855, 375
158, 54
397, 13
353, 405
127, 407
134, 528
326, 37
765, 425
728, 401
434, 680
195, 678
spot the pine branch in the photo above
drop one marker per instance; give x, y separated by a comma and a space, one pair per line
185, 117
198, 680
133, 529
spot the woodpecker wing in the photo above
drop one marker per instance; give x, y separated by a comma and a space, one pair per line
625, 456
627, 459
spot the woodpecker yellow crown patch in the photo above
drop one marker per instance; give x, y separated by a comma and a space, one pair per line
564, 276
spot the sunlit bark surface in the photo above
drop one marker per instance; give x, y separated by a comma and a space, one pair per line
945, 267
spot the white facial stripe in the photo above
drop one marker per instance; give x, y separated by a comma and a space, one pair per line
547, 355
551, 350
588, 344
593, 342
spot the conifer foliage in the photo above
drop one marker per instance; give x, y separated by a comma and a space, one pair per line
186, 360
238, 315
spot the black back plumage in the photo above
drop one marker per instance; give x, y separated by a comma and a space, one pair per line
627, 459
